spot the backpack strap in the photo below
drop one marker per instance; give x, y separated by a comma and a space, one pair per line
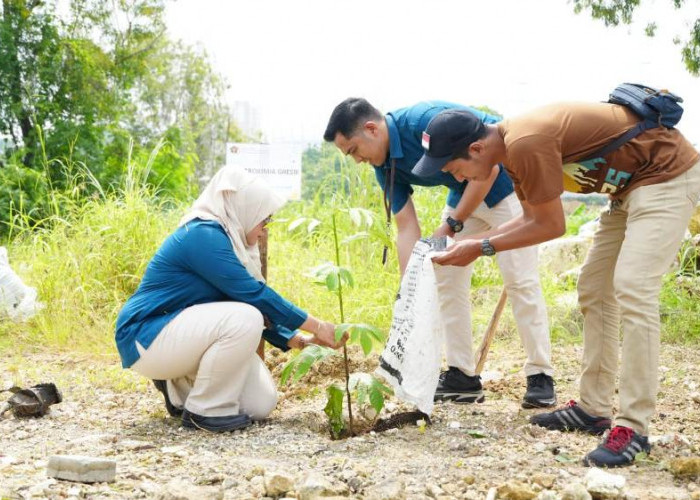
619, 141
388, 198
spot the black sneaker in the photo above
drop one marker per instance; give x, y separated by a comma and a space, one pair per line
173, 410
455, 386
540, 392
215, 424
571, 418
619, 448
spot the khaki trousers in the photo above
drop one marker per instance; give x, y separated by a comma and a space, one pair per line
620, 281
522, 283
207, 355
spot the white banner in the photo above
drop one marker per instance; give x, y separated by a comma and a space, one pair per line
279, 164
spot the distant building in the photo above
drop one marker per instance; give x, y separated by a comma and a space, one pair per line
247, 117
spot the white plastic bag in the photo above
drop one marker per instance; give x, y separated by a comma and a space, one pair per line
412, 355
17, 300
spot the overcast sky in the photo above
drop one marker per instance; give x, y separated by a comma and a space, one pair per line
295, 60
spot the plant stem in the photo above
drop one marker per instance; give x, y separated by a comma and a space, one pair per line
342, 320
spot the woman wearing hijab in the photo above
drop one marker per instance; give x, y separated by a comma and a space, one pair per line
197, 316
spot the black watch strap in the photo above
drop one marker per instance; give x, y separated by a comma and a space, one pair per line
455, 225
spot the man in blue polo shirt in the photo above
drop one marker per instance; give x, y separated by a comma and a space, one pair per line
393, 142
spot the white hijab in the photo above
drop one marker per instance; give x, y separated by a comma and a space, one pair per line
238, 201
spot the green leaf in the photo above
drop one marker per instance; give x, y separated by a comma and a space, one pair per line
341, 329
565, 459
333, 281
475, 433
320, 272
303, 366
376, 398
366, 343
381, 387
286, 372
334, 409
365, 335
368, 386
299, 366
346, 276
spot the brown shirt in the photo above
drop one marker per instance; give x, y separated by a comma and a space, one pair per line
547, 151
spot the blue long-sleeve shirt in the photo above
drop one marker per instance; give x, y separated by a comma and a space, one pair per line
197, 265
406, 126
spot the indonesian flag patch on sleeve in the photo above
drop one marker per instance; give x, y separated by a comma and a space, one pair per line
425, 142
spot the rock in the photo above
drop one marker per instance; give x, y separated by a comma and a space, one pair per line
257, 486
603, 485
686, 468
134, 445
695, 396
42, 489
515, 490
386, 490
433, 490
540, 447
179, 489
544, 480
672, 441
315, 486
6, 461
277, 484
695, 495
547, 495
575, 491
450, 488
469, 479
255, 471
82, 469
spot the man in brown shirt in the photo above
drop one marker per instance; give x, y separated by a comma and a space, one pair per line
654, 184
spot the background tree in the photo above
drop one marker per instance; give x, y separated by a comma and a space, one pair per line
98, 84
614, 12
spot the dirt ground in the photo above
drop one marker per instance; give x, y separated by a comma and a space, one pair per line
470, 451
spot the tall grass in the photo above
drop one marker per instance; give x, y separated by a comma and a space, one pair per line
89, 256
85, 259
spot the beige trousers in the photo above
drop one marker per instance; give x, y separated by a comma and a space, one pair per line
522, 283
620, 281
207, 355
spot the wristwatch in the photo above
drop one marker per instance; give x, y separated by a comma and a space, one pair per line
487, 248
455, 225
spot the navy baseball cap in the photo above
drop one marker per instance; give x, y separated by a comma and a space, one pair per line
447, 133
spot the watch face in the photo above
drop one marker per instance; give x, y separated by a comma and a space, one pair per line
455, 225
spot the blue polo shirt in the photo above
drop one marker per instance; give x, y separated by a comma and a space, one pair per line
197, 265
406, 126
